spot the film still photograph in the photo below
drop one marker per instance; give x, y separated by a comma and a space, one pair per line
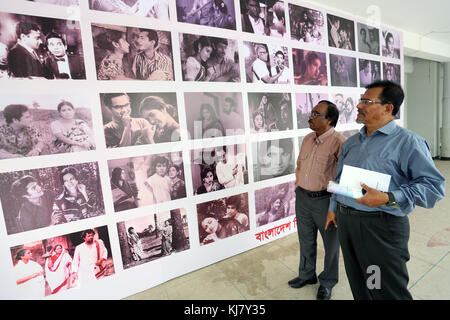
38, 198
156, 9
341, 33
270, 112
266, 63
274, 203
305, 103
310, 67
263, 17
212, 59
218, 168
368, 39
40, 48
307, 25
131, 53
146, 180
131, 119
343, 71
72, 261
32, 125
346, 105
391, 44
214, 114
153, 237
273, 158
223, 218
212, 13
369, 72
391, 72
66, 3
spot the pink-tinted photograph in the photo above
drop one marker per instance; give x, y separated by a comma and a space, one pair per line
223, 218
51, 266
153, 237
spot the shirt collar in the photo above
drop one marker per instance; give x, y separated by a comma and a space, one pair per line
387, 129
323, 137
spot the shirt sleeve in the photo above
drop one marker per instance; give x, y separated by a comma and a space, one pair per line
333, 204
426, 184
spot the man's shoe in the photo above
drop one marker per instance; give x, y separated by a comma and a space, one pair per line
299, 283
324, 293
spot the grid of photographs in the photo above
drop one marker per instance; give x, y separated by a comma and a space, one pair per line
104, 177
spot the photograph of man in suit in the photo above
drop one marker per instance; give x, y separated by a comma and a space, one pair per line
59, 64
23, 60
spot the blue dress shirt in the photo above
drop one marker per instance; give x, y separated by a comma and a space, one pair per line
400, 153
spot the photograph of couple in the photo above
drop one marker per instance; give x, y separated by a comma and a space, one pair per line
40, 48
32, 125
153, 237
131, 53
223, 218
38, 198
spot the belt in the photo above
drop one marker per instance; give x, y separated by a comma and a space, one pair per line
314, 194
352, 211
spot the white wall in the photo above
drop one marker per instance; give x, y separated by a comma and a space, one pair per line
422, 100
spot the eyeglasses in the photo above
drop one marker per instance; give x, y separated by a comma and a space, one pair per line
315, 114
367, 102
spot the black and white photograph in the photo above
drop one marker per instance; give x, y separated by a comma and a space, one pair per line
211, 13
55, 265
67, 3
310, 67
156, 9
266, 63
263, 17
343, 71
341, 33
131, 119
214, 114
217, 168
32, 125
146, 180
274, 203
346, 105
307, 25
391, 72
153, 237
222, 218
368, 39
270, 111
38, 198
273, 158
212, 59
369, 72
131, 53
390, 44
34, 47
305, 102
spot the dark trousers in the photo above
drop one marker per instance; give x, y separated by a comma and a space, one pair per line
311, 215
375, 245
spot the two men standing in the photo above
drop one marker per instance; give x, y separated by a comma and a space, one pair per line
374, 229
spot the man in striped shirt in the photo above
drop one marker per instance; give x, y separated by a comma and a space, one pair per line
149, 63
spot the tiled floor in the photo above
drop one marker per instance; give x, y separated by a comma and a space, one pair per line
269, 267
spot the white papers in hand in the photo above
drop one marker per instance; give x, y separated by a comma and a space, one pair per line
352, 177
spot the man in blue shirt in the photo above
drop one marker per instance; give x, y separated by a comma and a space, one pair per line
374, 229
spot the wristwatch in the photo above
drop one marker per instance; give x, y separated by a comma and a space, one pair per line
392, 202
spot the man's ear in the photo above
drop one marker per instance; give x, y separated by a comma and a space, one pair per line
389, 108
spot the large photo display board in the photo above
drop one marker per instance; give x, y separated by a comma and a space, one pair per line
188, 157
